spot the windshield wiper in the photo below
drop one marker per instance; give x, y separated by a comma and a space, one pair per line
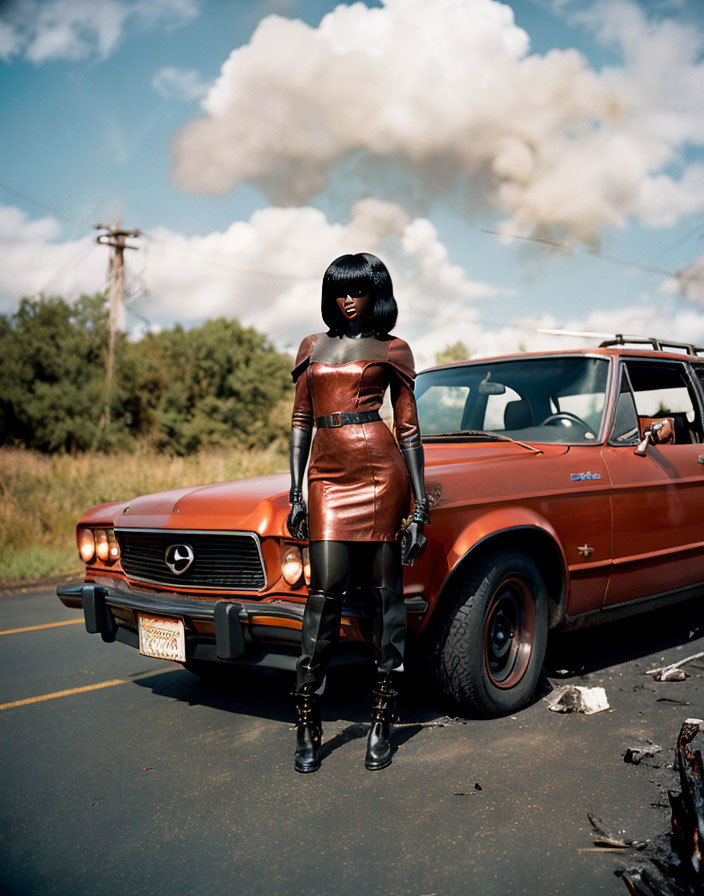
479, 435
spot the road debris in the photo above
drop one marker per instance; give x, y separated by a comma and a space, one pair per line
670, 865
605, 839
673, 671
444, 722
670, 675
575, 698
477, 788
688, 806
634, 755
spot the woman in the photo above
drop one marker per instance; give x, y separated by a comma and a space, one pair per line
358, 486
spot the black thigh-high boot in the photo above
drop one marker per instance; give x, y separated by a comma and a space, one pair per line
390, 638
321, 626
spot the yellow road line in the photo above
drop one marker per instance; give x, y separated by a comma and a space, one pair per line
87, 687
34, 628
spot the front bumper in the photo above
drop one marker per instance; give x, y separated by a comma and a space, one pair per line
225, 631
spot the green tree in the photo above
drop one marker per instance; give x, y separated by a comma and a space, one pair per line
52, 376
458, 351
180, 390
214, 383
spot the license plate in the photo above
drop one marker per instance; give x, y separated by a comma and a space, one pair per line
162, 638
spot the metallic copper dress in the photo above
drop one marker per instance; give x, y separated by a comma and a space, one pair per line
358, 486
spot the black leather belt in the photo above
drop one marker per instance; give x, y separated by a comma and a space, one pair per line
345, 418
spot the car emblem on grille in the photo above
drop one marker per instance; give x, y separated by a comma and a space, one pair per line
178, 557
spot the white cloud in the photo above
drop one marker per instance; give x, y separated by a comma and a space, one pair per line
10, 41
445, 94
48, 30
180, 83
267, 272
33, 261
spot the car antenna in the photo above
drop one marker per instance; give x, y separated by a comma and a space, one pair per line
581, 333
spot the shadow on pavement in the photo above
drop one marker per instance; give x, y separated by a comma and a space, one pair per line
267, 693
598, 648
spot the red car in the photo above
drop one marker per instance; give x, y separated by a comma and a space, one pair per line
567, 488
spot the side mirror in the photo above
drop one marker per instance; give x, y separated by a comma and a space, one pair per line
658, 433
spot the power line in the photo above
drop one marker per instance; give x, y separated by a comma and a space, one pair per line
690, 233
570, 248
47, 208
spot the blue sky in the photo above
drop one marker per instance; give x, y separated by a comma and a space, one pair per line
376, 130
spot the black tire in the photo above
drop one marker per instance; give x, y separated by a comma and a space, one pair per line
486, 652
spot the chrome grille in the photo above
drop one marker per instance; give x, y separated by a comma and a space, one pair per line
223, 560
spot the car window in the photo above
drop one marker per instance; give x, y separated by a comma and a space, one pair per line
664, 390
554, 399
441, 407
495, 411
625, 430
699, 373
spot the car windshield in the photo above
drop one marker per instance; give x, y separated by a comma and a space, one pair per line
528, 399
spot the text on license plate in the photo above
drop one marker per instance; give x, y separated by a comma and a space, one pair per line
162, 638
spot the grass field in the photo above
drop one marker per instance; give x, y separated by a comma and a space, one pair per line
42, 496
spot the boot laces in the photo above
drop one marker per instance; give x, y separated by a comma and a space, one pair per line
307, 709
383, 708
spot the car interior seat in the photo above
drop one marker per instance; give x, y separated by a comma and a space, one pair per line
518, 415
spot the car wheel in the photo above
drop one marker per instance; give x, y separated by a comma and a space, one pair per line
487, 653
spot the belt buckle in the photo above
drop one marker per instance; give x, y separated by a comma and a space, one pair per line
336, 419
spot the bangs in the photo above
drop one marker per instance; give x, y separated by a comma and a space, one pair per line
353, 272
360, 274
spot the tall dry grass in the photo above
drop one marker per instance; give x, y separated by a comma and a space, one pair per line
42, 496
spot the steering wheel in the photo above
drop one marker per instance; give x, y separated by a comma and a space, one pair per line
571, 418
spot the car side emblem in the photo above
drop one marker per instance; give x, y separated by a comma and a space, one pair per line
178, 557
580, 477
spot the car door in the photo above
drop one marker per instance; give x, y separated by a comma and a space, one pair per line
657, 500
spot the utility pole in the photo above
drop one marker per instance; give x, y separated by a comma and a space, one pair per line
115, 238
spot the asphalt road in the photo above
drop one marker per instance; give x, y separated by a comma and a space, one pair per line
143, 779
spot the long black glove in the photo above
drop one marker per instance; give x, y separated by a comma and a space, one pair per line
413, 540
299, 447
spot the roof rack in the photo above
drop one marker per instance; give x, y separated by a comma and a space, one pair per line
658, 345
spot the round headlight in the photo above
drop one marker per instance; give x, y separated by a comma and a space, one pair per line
114, 547
86, 545
292, 565
102, 549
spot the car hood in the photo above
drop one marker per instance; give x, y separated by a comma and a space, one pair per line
447, 453
472, 473
254, 505
261, 504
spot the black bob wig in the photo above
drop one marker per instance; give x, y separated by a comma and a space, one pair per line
361, 273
